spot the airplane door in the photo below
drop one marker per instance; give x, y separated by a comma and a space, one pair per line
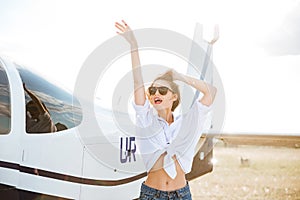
49, 158
10, 119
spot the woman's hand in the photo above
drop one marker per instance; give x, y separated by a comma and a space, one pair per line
126, 32
216, 35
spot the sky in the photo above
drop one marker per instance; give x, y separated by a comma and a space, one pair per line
257, 55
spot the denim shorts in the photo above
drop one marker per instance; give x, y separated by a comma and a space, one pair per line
148, 193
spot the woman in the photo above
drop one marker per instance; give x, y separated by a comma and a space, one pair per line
167, 143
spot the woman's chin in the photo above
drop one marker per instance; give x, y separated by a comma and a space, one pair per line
159, 107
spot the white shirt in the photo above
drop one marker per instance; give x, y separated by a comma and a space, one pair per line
155, 136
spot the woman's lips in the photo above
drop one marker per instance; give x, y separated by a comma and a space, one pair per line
157, 100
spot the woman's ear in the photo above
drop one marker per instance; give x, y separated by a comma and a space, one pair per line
175, 97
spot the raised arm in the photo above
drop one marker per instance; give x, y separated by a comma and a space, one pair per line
139, 89
36, 100
209, 91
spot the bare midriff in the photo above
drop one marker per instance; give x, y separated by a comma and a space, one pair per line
159, 179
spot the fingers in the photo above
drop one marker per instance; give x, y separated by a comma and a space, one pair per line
124, 23
121, 27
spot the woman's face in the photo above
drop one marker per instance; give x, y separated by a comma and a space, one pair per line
161, 96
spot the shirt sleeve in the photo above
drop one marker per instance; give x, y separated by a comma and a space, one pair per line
203, 109
196, 115
143, 114
141, 109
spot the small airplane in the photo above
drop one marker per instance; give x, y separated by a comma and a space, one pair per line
59, 165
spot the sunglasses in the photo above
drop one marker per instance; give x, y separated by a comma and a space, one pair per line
162, 90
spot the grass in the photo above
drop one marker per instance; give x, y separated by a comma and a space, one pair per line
270, 173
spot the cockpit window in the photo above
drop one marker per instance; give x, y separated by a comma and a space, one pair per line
5, 110
62, 107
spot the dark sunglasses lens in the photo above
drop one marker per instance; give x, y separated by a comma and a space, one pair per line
163, 90
152, 90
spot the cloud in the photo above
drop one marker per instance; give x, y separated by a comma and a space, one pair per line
4, 110
285, 39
